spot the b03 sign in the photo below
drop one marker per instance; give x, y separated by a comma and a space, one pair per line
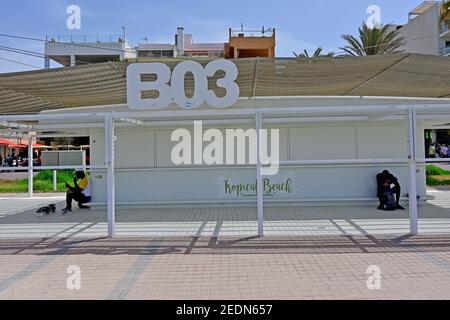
174, 92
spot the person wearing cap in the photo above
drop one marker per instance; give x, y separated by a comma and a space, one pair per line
80, 192
384, 182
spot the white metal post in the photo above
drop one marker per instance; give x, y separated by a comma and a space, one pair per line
414, 229
55, 181
109, 148
30, 165
259, 178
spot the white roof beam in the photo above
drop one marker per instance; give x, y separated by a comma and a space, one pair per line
15, 125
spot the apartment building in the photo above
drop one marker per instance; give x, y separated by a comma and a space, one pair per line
250, 43
427, 30
77, 50
70, 50
241, 44
183, 46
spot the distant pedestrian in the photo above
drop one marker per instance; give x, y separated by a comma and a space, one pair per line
432, 151
438, 151
444, 151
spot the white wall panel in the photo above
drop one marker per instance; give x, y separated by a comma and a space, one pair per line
321, 143
135, 148
382, 142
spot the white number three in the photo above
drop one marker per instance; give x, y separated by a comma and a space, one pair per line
228, 83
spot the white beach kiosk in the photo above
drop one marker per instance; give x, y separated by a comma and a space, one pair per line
340, 120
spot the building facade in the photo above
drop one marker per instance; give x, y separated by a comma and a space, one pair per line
79, 50
183, 46
250, 44
427, 30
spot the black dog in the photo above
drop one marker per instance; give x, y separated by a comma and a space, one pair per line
46, 210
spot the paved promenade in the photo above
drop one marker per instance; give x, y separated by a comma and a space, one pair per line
308, 253
18, 220
328, 267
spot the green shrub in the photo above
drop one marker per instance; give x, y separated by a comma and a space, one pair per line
42, 182
61, 176
436, 171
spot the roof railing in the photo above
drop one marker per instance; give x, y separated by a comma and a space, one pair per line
71, 38
264, 32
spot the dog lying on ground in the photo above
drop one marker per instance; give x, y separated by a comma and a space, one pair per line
51, 208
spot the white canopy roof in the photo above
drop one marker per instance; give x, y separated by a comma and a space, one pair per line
404, 75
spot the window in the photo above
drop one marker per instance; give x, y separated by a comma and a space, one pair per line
156, 53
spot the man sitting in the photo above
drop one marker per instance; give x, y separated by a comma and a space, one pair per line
385, 180
81, 192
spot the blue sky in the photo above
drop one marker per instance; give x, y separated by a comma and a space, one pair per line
300, 24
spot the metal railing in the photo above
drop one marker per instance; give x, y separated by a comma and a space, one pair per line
106, 38
445, 26
264, 32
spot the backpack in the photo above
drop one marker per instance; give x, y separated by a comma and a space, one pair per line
389, 203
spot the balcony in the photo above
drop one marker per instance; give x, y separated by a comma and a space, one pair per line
445, 30
445, 52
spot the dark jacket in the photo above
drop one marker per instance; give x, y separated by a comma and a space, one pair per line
382, 179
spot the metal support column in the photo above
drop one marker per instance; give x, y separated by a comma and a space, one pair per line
412, 124
55, 181
109, 159
30, 164
259, 178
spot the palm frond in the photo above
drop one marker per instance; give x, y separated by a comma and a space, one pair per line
373, 41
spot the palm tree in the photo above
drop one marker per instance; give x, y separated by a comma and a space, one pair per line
374, 41
317, 54
445, 11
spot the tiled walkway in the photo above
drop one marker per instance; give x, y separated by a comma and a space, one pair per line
17, 220
15, 205
328, 267
308, 253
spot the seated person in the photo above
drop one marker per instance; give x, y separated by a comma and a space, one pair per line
384, 182
81, 192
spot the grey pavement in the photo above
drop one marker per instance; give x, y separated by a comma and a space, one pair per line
212, 253
15, 175
18, 220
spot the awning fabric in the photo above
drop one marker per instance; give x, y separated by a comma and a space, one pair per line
18, 146
4, 142
403, 75
40, 146
35, 145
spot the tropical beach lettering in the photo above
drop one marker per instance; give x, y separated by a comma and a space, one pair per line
249, 189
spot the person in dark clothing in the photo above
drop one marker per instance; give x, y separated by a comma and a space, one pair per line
384, 182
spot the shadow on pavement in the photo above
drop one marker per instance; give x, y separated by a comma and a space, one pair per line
227, 245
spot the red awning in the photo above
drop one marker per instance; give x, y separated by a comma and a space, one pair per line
4, 142
18, 146
40, 146
35, 145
